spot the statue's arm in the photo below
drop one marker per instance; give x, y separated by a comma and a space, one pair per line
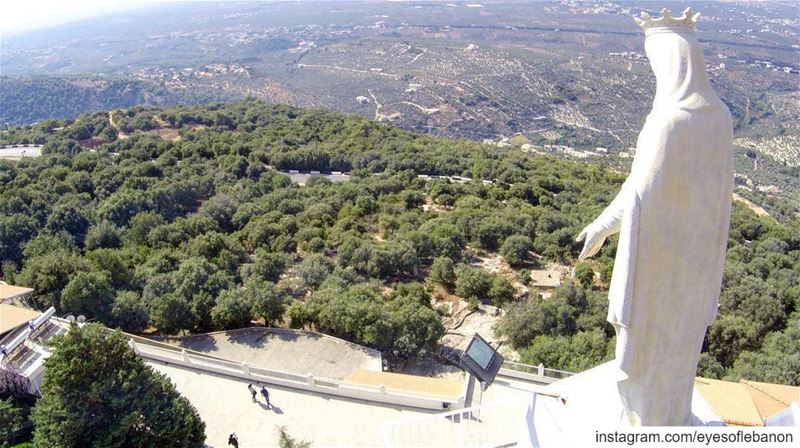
605, 225
654, 136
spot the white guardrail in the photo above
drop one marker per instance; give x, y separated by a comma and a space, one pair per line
536, 374
379, 394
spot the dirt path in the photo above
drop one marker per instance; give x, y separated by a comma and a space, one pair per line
120, 135
756, 209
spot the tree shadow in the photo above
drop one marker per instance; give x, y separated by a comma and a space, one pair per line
258, 337
203, 343
289, 336
251, 337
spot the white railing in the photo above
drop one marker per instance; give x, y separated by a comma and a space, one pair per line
494, 424
537, 374
327, 386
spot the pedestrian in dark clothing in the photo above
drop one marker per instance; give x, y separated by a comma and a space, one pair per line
265, 393
252, 392
233, 440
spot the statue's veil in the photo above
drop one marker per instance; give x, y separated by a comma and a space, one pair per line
680, 69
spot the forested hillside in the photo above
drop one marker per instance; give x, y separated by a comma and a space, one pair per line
176, 219
31, 99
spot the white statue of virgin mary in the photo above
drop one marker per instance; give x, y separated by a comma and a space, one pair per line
673, 213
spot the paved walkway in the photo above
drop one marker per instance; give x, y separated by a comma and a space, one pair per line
225, 406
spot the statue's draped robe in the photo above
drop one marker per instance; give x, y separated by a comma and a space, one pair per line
673, 214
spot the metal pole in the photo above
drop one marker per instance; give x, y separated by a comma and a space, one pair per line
480, 401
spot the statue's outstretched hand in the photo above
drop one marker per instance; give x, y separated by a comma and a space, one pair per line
594, 238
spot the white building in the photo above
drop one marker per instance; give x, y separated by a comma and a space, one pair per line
23, 337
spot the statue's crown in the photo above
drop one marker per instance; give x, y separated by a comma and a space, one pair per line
667, 22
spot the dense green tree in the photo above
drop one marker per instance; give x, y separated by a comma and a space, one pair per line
314, 269
414, 328
49, 273
266, 300
142, 224
98, 393
501, 291
403, 327
80, 181
573, 295
777, 361
516, 249
47, 242
124, 205
448, 240
70, 219
103, 235
443, 271
88, 293
473, 283
552, 317
199, 282
221, 209
113, 263
11, 418
267, 266
492, 232
158, 285
709, 367
594, 313
171, 313
232, 310
15, 231
571, 353
129, 312
391, 259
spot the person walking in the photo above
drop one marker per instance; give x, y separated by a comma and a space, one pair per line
265, 393
233, 440
252, 392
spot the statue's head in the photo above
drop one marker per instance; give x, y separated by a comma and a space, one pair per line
677, 60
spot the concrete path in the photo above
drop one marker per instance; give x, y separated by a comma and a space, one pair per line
225, 406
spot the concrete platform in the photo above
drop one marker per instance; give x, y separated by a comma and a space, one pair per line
293, 351
225, 406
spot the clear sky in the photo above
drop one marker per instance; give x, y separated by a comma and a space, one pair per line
23, 15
